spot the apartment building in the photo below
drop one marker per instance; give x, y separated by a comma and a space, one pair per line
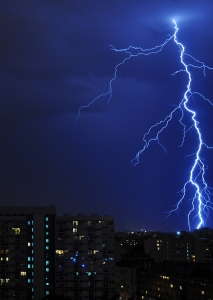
84, 257
42, 254
177, 281
179, 248
26, 252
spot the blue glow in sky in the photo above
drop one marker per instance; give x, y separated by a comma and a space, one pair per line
201, 201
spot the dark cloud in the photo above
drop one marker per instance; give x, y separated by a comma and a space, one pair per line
55, 57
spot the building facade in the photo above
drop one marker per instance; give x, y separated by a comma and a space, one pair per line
179, 248
178, 281
84, 257
26, 252
42, 254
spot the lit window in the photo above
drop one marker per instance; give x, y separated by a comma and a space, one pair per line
32, 244
47, 247
28, 266
181, 287
95, 251
28, 244
47, 269
28, 280
47, 283
23, 273
59, 251
32, 229
47, 226
29, 258
171, 286
47, 240
7, 280
7, 258
75, 230
32, 237
32, 251
28, 222
47, 233
202, 292
4, 251
47, 219
47, 262
47, 292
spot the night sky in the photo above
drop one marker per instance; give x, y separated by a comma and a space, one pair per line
54, 58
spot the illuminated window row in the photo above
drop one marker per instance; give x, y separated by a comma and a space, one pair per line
5, 258
60, 252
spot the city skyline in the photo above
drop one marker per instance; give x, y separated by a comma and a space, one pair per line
56, 58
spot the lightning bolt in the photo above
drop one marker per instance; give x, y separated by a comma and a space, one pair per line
202, 195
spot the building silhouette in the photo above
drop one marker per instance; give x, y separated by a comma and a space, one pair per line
42, 254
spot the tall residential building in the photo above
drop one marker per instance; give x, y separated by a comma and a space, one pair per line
26, 252
84, 257
43, 254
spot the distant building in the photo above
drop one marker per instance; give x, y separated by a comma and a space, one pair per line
42, 254
203, 232
125, 241
127, 277
177, 281
179, 248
